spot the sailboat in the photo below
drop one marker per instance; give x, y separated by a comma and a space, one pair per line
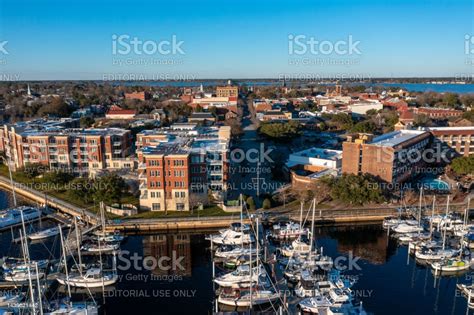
247, 297
242, 276
44, 233
451, 265
92, 278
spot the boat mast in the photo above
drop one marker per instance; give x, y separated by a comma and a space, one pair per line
102, 216
40, 299
30, 283
301, 216
26, 257
11, 179
312, 227
251, 267
242, 221
65, 262
445, 227
419, 207
466, 213
432, 216
78, 244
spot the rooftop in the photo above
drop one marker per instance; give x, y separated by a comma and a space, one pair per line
320, 153
395, 138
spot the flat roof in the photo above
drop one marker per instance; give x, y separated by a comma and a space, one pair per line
395, 138
320, 153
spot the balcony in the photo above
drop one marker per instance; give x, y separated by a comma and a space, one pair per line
116, 144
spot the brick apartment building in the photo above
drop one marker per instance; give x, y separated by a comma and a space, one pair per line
227, 91
78, 150
437, 113
393, 157
179, 168
460, 139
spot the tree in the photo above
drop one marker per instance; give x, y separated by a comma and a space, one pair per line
33, 170
355, 189
250, 203
110, 188
82, 189
469, 115
267, 204
56, 107
422, 120
86, 122
463, 165
280, 130
450, 100
367, 126
58, 177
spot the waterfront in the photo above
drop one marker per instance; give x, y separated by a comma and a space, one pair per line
386, 283
412, 87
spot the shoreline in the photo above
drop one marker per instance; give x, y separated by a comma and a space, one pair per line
330, 217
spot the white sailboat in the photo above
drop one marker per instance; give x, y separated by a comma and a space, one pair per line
44, 233
451, 265
242, 276
92, 278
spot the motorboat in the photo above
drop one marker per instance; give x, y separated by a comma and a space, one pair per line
315, 304
300, 246
233, 251
288, 230
11, 217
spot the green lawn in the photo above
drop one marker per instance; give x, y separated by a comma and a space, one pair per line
39, 184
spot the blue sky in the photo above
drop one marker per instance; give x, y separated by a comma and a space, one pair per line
247, 39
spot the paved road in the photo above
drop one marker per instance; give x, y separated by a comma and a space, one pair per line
251, 176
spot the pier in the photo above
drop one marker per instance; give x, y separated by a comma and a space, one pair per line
50, 201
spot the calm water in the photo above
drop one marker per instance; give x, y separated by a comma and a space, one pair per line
388, 282
413, 87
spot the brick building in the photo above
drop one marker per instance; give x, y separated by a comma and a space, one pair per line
393, 157
227, 91
75, 149
179, 168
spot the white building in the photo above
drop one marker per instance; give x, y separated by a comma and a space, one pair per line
363, 107
316, 157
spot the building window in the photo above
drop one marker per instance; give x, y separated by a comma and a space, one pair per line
180, 206
156, 206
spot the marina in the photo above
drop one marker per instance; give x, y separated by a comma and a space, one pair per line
382, 259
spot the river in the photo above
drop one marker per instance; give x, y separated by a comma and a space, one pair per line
171, 273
